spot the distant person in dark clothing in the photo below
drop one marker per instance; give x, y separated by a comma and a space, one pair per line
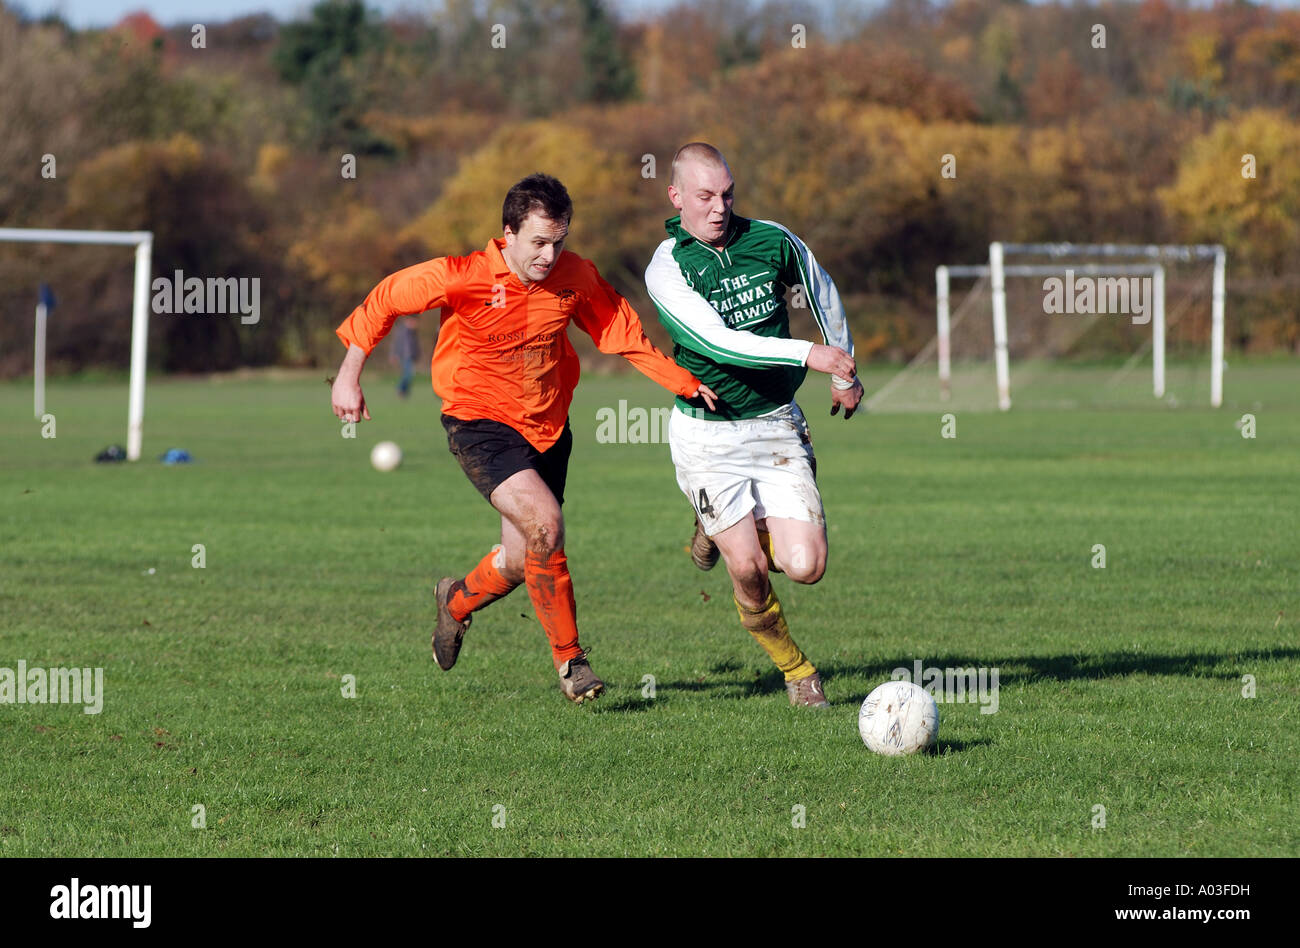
406, 349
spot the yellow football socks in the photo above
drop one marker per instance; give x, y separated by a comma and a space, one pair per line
767, 625
765, 541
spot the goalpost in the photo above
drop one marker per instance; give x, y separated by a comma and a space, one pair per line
142, 240
998, 252
944, 274
1064, 338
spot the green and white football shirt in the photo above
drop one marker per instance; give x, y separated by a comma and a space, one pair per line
726, 312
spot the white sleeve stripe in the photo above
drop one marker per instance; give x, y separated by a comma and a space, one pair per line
693, 316
813, 303
713, 349
703, 343
823, 297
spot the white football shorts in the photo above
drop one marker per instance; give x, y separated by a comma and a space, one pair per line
764, 464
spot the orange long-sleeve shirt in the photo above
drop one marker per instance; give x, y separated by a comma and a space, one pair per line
502, 350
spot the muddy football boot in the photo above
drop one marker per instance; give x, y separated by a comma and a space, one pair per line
807, 692
578, 682
448, 633
704, 552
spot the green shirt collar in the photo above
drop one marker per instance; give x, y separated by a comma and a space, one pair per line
683, 237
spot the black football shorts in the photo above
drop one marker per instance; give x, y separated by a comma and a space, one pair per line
489, 452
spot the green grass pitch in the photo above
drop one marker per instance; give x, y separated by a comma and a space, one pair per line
1121, 689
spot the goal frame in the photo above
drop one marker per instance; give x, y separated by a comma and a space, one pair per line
142, 240
944, 274
998, 252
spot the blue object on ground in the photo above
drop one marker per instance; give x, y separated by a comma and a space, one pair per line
176, 456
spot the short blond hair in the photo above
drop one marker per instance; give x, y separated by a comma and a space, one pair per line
702, 152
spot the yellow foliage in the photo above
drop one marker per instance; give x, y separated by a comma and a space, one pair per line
444, 130
1273, 51
112, 189
348, 249
272, 160
468, 212
1258, 218
1200, 51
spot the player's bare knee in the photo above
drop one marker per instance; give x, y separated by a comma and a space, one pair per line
809, 575
546, 535
749, 577
751, 570
805, 562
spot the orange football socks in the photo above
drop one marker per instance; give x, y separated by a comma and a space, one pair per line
482, 586
551, 590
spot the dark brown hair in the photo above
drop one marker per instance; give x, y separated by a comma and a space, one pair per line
537, 192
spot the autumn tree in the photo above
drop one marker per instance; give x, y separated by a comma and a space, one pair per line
203, 220
326, 58
1239, 185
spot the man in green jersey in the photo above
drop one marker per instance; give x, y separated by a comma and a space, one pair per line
719, 282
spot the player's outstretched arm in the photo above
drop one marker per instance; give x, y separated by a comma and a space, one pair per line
348, 401
404, 293
824, 300
616, 329
693, 322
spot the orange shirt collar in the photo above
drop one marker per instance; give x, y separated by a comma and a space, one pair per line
495, 260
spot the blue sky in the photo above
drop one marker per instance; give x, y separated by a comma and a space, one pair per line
84, 13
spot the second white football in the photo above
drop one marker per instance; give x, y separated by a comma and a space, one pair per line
385, 456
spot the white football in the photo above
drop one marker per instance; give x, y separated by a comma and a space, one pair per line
899, 717
385, 456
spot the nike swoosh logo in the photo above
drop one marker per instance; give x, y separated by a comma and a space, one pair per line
702, 272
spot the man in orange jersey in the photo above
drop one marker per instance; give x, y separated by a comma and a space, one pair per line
505, 371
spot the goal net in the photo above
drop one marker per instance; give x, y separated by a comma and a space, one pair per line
1069, 326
